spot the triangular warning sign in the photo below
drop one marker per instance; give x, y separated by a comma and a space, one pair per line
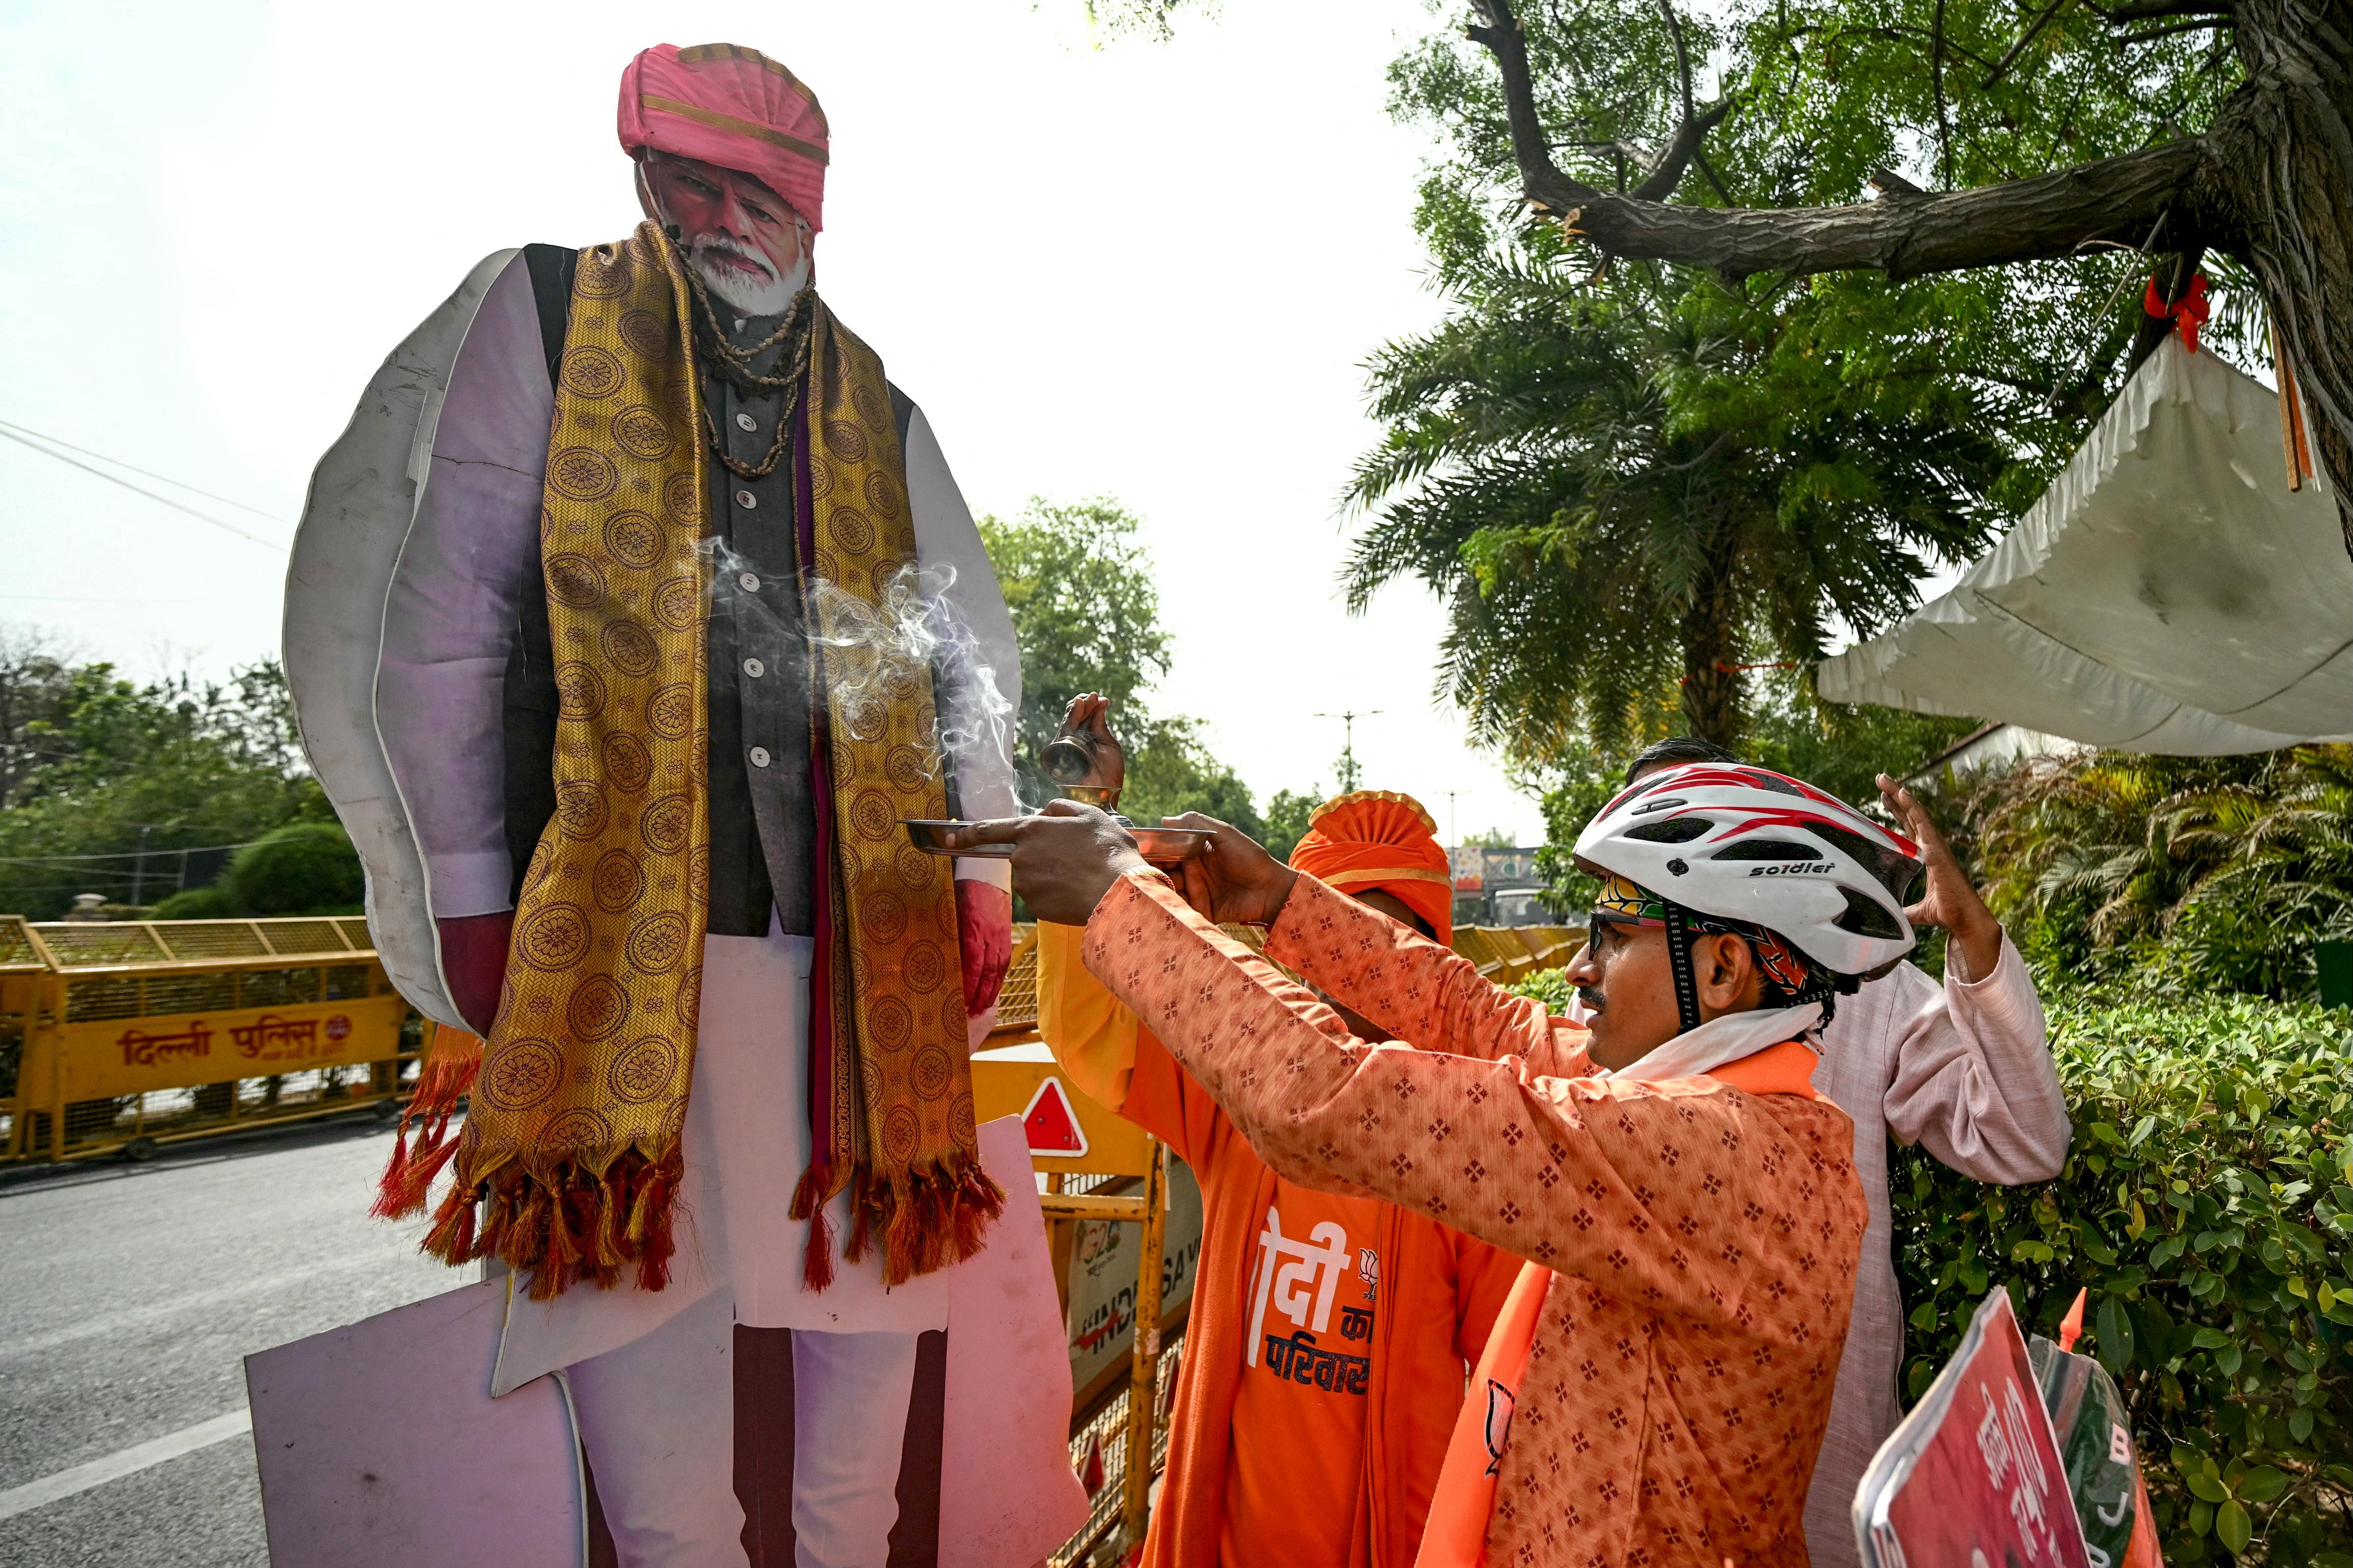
1052, 1122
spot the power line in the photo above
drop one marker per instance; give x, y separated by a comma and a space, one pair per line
120, 855
11, 433
150, 473
96, 599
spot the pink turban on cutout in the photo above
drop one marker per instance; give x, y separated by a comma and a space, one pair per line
723, 104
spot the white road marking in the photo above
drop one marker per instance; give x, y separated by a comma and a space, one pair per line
127, 1462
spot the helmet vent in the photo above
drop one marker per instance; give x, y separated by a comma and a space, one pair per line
1865, 917
1765, 849
1659, 806
1893, 869
1773, 781
1673, 830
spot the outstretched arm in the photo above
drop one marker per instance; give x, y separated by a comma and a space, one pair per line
1691, 1195
1427, 996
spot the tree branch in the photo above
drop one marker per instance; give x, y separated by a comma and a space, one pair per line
1677, 154
1937, 80
2054, 214
2153, 34
2034, 30
1683, 54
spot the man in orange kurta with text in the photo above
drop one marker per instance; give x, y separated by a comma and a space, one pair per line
1303, 1431
1657, 1384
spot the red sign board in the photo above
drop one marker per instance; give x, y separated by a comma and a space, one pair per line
1052, 1122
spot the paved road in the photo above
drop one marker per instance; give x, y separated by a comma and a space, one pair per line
128, 1295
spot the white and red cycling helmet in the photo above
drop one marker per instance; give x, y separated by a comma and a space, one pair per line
1744, 844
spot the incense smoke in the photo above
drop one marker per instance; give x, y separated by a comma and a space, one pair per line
872, 656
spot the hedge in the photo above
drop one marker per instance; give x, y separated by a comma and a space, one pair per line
2208, 1208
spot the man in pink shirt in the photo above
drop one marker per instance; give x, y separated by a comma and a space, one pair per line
1962, 1067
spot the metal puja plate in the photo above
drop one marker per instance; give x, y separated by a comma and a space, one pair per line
930, 836
1162, 846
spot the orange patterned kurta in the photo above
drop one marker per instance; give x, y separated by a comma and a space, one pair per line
1703, 1239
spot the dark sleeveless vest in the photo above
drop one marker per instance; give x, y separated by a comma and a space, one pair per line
763, 819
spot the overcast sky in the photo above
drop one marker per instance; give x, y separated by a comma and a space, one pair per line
1146, 270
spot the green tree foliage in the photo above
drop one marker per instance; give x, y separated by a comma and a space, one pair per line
2208, 1208
96, 768
1628, 480
1086, 611
1286, 820
1637, 487
1078, 580
2175, 874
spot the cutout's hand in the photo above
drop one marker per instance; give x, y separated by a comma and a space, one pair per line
1065, 859
1947, 900
1234, 881
984, 932
474, 962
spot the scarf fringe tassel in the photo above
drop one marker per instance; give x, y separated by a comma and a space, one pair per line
930, 1221
567, 1226
447, 1078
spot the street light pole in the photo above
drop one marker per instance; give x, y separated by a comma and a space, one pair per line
1350, 774
139, 866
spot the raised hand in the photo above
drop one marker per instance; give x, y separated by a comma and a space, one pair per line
1949, 901
1090, 715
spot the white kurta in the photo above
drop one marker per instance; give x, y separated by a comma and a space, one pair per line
411, 748
1965, 1069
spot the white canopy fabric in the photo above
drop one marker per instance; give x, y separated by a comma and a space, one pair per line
2167, 593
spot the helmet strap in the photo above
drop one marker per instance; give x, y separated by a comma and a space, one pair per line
1679, 964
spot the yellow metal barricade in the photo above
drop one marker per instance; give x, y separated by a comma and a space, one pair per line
129, 1034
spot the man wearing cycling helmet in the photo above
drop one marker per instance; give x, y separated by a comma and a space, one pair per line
1961, 1068
1659, 1382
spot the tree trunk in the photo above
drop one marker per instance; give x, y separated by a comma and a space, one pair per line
2284, 178
1711, 647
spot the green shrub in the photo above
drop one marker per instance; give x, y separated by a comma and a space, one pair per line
214, 903
2208, 1208
301, 868
1549, 986
2170, 875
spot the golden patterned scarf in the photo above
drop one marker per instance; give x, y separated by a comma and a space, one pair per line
891, 1087
572, 1139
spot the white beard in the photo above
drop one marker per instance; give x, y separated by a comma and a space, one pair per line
772, 295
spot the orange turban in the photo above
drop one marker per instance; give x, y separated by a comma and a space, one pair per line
1379, 838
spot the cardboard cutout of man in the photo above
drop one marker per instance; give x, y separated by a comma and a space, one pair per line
626, 623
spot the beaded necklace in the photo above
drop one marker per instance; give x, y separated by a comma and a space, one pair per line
734, 366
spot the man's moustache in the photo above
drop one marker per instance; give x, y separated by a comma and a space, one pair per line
703, 246
1589, 999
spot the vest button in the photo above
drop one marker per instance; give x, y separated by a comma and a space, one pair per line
748, 581
759, 756
746, 423
755, 668
746, 500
